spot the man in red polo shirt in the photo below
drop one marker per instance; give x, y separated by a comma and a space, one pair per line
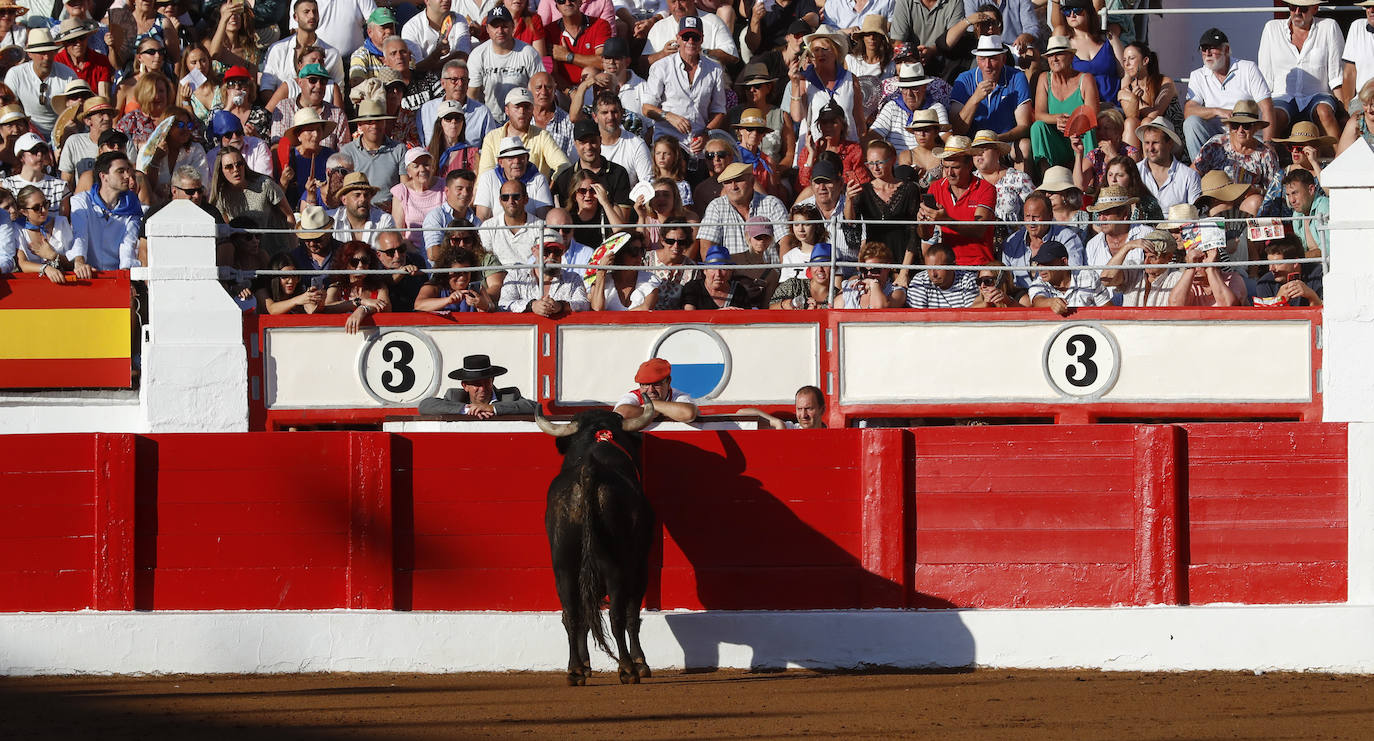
88, 64
959, 196
574, 42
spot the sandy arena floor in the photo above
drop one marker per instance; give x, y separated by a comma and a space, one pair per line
982, 704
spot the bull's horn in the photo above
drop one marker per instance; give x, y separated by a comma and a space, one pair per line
555, 429
642, 421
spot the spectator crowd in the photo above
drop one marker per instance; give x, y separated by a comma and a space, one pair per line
691, 140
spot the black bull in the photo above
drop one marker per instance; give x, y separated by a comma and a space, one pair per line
600, 528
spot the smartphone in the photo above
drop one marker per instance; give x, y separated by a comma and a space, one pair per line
1294, 277
928, 201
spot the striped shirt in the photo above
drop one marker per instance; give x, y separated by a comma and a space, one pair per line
922, 294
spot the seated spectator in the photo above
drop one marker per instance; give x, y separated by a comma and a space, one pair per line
1012, 185
993, 96
815, 291
1206, 282
761, 282
554, 293
624, 290
883, 198
961, 37
478, 395
589, 159
1057, 96
1300, 190
1305, 79
234, 42
827, 83
872, 287
1307, 148
594, 215
34, 155
750, 130
179, 149
373, 154
306, 168
237, 191
531, 22
809, 407
367, 59
739, 202
940, 287
1289, 284
716, 287
1124, 172
316, 247
778, 134
575, 252
1137, 278
437, 34
416, 195
513, 244
313, 84
667, 160
288, 294
684, 94
337, 167
622, 134
870, 59
924, 128
89, 65
719, 154
512, 164
1096, 52
1022, 245
574, 42
477, 120
1146, 93
1227, 200
1215, 87
44, 236
357, 219
457, 292
227, 130
664, 207
1360, 127
1244, 157
461, 234
246, 257
394, 253
1112, 212
655, 380
997, 290
543, 152
547, 115
1063, 290
673, 244
1090, 166
36, 81
457, 204
153, 93
828, 198
358, 295
79, 150
805, 237
1168, 180
448, 144
891, 122
959, 196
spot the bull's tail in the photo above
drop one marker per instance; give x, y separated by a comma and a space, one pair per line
590, 580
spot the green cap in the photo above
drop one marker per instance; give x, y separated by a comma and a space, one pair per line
382, 17
314, 69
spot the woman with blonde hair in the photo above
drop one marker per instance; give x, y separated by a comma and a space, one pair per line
153, 92
150, 58
825, 82
663, 207
202, 99
996, 289
234, 44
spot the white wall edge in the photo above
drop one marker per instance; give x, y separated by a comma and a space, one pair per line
1327, 638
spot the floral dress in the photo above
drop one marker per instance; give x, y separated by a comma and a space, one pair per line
1259, 168
670, 282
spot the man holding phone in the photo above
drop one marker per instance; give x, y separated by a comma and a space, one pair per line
1289, 284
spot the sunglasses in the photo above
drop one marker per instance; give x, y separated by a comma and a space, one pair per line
716, 155
43, 93
358, 261
189, 191
231, 166
391, 252
187, 126
152, 50
338, 171
692, 37
586, 191
664, 193
1070, 12
35, 207
987, 281
462, 239
1237, 126
876, 163
676, 242
869, 272
512, 197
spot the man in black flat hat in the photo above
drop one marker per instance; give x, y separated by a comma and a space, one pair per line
478, 396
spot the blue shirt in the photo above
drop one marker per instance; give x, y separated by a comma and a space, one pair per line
436, 220
107, 240
1016, 251
998, 110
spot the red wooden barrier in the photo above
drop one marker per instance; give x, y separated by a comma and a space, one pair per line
932, 517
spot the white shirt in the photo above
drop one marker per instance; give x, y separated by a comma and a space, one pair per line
488, 192
59, 238
497, 74
341, 23
631, 153
418, 31
645, 284
641, 9
520, 289
631, 95
717, 36
698, 100
256, 154
1359, 51
1099, 253
513, 246
1181, 186
1084, 290
1301, 75
25, 84
1242, 80
1134, 291
376, 219
280, 63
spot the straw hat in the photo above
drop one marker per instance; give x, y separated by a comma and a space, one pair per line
357, 181
913, 74
990, 46
840, 41
955, 146
1307, 133
12, 113
73, 29
752, 118
306, 118
732, 171
1057, 180
925, 118
1180, 215
988, 138
1246, 111
1217, 184
315, 221
95, 105
873, 23
371, 110
1110, 197
1162, 124
74, 87
1057, 45
12, 5
40, 40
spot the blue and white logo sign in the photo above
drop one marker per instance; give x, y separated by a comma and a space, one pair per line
700, 358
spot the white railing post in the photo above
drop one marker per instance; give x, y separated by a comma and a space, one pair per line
195, 369
1348, 350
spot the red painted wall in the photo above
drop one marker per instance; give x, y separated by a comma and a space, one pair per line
952, 516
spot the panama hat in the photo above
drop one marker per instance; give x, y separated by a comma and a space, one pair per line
923, 118
988, 138
72, 29
1246, 111
1217, 184
1111, 197
40, 40
12, 5
1057, 180
873, 23
913, 74
12, 113
314, 222
990, 46
74, 88
955, 146
732, 171
1180, 215
95, 105
371, 110
1303, 3
756, 73
1307, 133
840, 41
306, 118
1161, 123
357, 181
1057, 45
511, 146
752, 118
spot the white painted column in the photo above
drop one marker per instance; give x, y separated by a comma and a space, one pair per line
195, 369
1348, 349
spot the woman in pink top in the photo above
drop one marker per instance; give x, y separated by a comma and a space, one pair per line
417, 194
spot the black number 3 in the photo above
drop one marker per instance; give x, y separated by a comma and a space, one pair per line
399, 353
1082, 358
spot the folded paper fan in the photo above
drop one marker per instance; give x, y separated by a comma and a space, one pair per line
1081, 121
605, 251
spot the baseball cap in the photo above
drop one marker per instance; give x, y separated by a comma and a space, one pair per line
653, 371
800, 28
382, 17
757, 226
1050, 251
499, 14
689, 24
237, 72
553, 236
584, 129
415, 153
825, 172
518, 96
29, 142
820, 252
716, 254
1212, 37
314, 69
615, 48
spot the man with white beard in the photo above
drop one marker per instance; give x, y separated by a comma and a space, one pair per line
1215, 87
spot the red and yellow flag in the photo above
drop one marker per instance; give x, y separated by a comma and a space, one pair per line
72, 336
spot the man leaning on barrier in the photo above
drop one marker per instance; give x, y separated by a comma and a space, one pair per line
477, 396
655, 382
1138, 279
1291, 283
1061, 291
809, 407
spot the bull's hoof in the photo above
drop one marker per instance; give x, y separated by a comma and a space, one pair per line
577, 679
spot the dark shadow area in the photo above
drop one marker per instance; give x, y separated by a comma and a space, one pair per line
145, 521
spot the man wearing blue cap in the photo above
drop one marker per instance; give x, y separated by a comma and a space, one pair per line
665, 38
1064, 290
226, 129
717, 287
501, 63
811, 292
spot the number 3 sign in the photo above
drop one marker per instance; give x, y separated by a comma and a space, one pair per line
1082, 361
399, 367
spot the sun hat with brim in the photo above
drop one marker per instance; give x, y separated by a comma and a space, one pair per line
913, 74
371, 110
1057, 180
72, 29
1307, 133
1112, 197
75, 88
314, 223
1162, 124
756, 73
1217, 184
840, 41
955, 146
988, 138
40, 40
1246, 111
476, 368
511, 146
13, 113
1180, 215
357, 181
873, 23
925, 118
305, 118
990, 46
95, 105
314, 69
734, 170
1160, 242
1058, 45
752, 118
1303, 3
12, 5
1366, 3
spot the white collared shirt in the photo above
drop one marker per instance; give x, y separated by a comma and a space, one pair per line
376, 219
1242, 80
714, 35
341, 23
1301, 75
697, 99
515, 245
1181, 186
279, 64
418, 31
520, 289
1359, 51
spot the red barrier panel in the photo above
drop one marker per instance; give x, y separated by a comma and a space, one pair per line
828, 519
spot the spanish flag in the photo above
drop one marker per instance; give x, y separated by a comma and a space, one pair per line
72, 336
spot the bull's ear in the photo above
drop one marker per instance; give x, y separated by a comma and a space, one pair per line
642, 421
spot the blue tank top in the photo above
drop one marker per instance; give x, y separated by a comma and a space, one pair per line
1103, 69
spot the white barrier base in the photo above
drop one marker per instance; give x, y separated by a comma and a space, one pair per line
1330, 638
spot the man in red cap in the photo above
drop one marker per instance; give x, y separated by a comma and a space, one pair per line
655, 379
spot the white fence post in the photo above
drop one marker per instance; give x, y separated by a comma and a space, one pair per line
1348, 349
195, 370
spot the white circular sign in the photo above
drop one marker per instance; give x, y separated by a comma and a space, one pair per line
399, 367
1082, 361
